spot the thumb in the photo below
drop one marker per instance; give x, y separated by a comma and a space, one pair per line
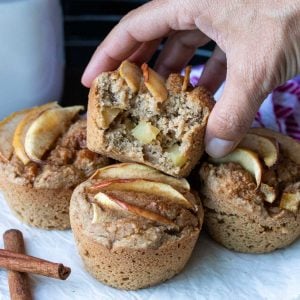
232, 115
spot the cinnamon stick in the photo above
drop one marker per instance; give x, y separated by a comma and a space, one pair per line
18, 283
29, 264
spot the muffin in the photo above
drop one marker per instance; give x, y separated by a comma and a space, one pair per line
134, 226
43, 156
134, 115
251, 197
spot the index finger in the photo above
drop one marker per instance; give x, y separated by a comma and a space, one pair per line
147, 23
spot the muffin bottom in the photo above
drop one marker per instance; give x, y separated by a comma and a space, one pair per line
132, 269
43, 208
242, 234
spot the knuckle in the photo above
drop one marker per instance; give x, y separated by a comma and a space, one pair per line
231, 122
189, 39
128, 16
252, 82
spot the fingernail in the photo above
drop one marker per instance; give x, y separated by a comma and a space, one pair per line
218, 147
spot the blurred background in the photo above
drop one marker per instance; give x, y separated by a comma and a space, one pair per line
86, 23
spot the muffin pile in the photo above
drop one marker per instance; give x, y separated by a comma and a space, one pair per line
136, 223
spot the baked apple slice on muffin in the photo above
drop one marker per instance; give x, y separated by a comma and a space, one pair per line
137, 231
252, 196
43, 157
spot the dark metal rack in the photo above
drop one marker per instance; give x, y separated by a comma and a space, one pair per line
86, 23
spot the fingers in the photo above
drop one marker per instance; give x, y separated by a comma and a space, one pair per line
214, 72
149, 22
178, 50
145, 52
232, 115
110, 54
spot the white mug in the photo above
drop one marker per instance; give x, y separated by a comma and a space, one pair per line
31, 53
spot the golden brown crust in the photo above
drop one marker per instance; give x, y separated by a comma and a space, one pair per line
243, 234
43, 208
174, 83
132, 269
201, 95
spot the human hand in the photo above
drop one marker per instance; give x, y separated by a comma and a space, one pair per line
258, 48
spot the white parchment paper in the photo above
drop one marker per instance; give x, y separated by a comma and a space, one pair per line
212, 273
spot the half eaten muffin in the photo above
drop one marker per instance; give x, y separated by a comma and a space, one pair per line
252, 196
134, 226
134, 115
43, 156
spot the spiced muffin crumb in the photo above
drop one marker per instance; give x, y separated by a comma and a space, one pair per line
167, 135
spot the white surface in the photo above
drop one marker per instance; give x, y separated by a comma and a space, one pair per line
212, 273
31, 53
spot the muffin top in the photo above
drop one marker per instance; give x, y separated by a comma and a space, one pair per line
261, 185
133, 206
45, 147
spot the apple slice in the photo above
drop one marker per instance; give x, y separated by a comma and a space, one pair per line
115, 203
108, 115
132, 74
96, 213
7, 129
265, 147
155, 84
20, 132
134, 171
247, 159
186, 79
269, 192
145, 132
45, 129
290, 201
288, 145
143, 186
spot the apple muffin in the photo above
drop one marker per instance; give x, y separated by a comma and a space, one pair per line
134, 115
134, 226
43, 156
251, 196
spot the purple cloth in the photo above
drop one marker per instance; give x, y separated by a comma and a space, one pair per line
280, 111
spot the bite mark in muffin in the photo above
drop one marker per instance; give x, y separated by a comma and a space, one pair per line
153, 122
